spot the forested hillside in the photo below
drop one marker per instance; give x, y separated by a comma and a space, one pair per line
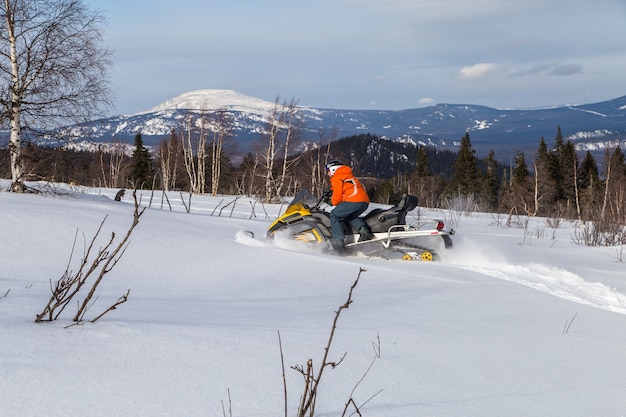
556, 182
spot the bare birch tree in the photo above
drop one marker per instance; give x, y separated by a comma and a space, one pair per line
164, 164
606, 185
191, 160
201, 152
292, 123
270, 153
221, 132
195, 140
284, 126
319, 172
52, 66
169, 157
103, 169
116, 160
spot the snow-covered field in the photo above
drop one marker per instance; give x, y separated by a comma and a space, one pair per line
512, 322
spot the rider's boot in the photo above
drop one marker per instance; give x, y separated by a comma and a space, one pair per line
365, 234
339, 246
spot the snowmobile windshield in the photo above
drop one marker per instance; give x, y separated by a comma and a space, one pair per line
303, 199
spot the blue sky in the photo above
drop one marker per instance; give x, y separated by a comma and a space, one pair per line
369, 54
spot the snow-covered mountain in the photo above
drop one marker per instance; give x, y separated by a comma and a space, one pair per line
212, 100
591, 126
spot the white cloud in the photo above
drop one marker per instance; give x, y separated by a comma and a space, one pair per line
426, 100
476, 70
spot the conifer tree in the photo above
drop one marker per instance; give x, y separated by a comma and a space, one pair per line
422, 177
490, 183
542, 151
561, 169
569, 173
519, 195
520, 171
619, 163
548, 177
466, 178
589, 186
559, 147
588, 171
141, 165
422, 167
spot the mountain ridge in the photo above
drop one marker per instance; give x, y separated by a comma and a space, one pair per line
215, 99
593, 126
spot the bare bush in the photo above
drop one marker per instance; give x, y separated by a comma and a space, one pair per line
497, 220
600, 233
463, 204
71, 283
313, 379
554, 222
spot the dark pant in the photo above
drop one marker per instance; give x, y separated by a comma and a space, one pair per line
348, 213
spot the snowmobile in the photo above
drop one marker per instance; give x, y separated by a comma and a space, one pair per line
305, 221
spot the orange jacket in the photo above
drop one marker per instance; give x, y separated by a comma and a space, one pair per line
346, 187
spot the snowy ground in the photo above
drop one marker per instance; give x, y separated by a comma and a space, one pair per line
513, 321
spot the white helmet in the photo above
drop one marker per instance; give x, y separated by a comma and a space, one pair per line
332, 166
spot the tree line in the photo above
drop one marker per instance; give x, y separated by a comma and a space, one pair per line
556, 182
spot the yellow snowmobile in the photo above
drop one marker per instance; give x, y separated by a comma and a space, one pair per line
305, 221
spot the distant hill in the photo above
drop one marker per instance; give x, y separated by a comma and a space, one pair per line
590, 126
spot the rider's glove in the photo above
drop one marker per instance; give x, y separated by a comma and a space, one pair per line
326, 195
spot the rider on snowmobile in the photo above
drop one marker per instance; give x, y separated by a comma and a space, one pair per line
351, 199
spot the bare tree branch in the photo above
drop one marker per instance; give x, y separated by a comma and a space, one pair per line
309, 397
70, 284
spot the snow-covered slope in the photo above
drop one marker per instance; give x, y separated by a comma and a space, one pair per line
514, 322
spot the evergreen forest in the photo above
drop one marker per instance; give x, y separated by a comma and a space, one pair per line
557, 181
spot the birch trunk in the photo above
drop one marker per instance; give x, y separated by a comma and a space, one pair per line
271, 152
15, 110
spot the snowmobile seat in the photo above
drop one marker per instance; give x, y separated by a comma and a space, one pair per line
380, 220
408, 203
